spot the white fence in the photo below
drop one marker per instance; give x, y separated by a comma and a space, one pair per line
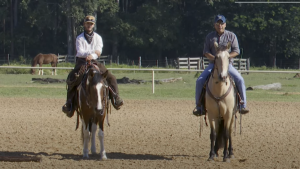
152, 70
202, 63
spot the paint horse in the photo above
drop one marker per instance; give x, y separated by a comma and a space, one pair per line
221, 104
92, 103
44, 59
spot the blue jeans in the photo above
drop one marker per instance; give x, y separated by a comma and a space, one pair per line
238, 79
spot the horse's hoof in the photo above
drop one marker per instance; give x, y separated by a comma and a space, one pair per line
226, 160
85, 156
231, 156
103, 157
210, 159
94, 152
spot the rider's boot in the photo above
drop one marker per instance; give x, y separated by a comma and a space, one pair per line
198, 112
244, 111
118, 102
67, 107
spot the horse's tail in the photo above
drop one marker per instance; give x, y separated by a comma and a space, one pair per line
220, 135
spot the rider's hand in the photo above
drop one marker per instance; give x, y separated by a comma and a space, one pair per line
98, 52
89, 58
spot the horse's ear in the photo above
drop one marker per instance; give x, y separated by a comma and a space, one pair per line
104, 75
216, 46
228, 45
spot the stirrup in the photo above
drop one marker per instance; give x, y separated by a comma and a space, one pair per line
197, 112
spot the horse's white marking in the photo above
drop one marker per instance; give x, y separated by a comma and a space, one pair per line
93, 141
102, 150
86, 139
223, 57
98, 88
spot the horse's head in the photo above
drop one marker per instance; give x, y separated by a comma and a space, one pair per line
222, 60
96, 89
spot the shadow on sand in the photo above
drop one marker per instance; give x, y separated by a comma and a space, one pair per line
61, 156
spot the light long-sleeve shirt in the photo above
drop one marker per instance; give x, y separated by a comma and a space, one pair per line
84, 49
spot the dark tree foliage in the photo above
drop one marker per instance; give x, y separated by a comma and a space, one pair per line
269, 34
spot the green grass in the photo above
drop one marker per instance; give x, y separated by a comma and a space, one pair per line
20, 85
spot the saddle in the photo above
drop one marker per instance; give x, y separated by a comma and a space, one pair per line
201, 103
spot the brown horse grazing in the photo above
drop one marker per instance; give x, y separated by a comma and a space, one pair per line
44, 59
92, 103
221, 105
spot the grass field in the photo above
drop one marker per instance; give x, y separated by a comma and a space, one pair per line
21, 85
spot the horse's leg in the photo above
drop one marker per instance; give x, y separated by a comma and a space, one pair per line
213, 136
39, 69
230, 149
226, 139
86, 139
101, 138
93, 141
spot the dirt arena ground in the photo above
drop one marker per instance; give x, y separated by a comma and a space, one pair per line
147, 134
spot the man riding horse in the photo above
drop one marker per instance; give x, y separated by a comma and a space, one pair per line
89, 47
222, 37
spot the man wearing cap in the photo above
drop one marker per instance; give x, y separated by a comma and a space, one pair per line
89, 47
222, 37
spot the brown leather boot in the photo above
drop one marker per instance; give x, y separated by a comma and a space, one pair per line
244, 111
67, 108
118, 103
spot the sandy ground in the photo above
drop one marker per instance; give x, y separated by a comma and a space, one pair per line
147, 134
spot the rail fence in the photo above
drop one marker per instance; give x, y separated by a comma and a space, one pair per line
202, 63
152, 70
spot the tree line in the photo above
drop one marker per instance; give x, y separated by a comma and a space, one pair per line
268, 34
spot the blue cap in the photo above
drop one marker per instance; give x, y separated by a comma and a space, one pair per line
220, 17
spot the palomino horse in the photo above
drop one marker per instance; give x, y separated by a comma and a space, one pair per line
92, 103
44, 59
221, 105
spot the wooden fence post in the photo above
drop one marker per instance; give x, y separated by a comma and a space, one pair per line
8, 59
198, 64
189, 63
167, 65
140, 62
118, 60
178, 63
248, 64
156, 63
